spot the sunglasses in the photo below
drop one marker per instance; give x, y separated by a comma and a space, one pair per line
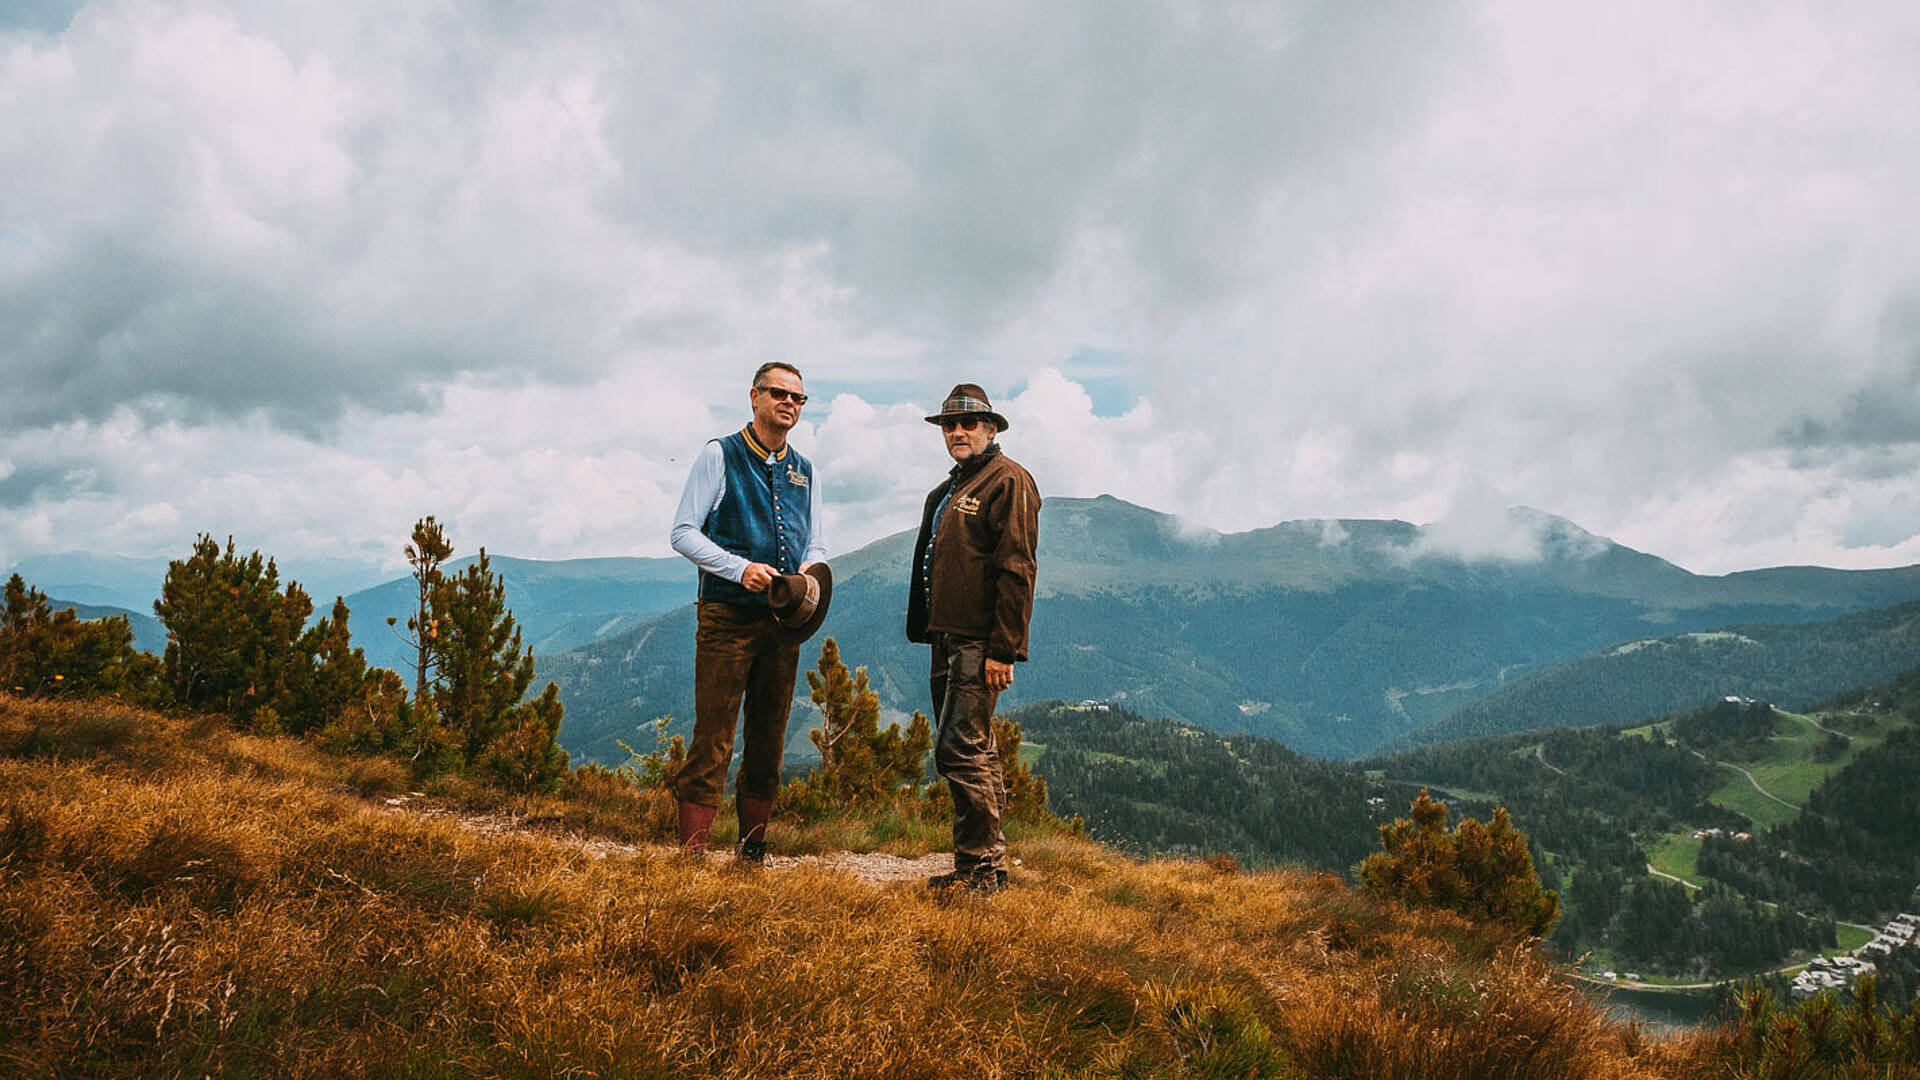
964, 423
781, 393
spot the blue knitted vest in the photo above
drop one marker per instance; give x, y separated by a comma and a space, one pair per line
765, 515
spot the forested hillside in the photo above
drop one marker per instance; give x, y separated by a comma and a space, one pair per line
1592, 800
1163, 786
1855, 848
1789, 664
1684, 794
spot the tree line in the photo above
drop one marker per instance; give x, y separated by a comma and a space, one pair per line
1162, 786
239, 643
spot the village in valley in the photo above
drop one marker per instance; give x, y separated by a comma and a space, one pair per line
1837, 973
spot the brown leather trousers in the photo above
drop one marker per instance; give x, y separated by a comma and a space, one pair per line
964, 752
736, 658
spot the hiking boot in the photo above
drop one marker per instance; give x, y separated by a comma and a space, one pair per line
753, 853
984, 879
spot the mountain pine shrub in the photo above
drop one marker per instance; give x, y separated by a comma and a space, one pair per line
1825, 1037
236, 639
861, 763
47, 653
1480, 870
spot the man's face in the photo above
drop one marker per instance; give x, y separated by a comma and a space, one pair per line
770, 411
967, 435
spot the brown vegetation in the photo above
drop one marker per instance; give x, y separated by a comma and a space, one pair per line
1480, 869
178, 898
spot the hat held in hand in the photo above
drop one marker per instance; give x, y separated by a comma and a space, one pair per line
800, 602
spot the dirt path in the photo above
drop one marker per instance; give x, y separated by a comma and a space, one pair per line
1815, 721
1757, 787
1756, 784
1540, 755
867, 866
1670, 877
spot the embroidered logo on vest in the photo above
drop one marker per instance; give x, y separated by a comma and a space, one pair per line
796, 477
966, 504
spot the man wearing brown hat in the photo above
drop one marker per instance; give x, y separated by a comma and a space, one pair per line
971, 597
749, 519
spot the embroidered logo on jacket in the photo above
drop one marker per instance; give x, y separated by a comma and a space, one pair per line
966, 504
796, 477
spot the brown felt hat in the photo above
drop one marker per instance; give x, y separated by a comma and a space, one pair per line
967, 399
800, 602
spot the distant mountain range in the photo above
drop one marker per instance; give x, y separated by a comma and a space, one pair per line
148, 634
134, 584
559, 605
1335, 637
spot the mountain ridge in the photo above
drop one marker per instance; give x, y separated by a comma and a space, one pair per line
1331, 636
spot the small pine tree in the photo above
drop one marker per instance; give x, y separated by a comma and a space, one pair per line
234, 636
426, 554
338, 682
860, 762
482, 669
1026, 789
1824, 1037
431, 745
1482, 871
527, 757
374, 722
659, 768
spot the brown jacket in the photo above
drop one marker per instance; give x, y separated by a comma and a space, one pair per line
980, 583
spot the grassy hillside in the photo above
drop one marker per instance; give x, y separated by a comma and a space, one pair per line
1790, 664
182, 900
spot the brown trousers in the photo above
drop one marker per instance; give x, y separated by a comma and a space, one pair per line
736, 657
964, 752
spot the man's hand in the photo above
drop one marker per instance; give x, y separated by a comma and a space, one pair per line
999, 676
757, 577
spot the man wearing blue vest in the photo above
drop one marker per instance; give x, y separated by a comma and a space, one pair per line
750, 515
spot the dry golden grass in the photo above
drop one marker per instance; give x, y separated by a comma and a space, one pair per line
179, 900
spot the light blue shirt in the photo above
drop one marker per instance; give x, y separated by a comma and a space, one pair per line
706, 486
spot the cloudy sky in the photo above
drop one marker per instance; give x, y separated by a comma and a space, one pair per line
305, 272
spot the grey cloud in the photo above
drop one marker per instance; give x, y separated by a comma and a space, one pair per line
1884, 412
1361, 257
26, 484
946, 163
937, 166
108, 326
